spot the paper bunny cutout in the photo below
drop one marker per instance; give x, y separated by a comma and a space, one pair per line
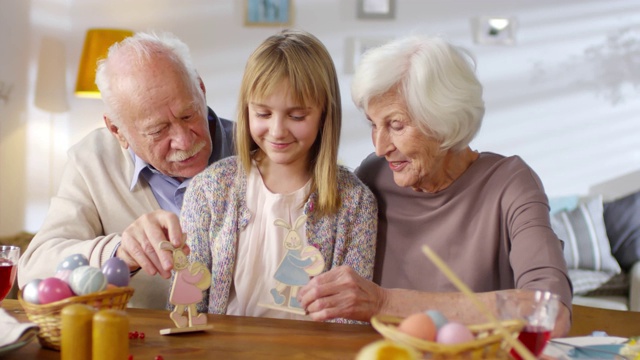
296, 266
189, 281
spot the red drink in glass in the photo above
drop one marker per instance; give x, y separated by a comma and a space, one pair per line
7, 276
534, 338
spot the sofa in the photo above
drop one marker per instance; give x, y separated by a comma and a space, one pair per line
601, 235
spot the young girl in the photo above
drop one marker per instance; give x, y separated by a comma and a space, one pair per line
266, 219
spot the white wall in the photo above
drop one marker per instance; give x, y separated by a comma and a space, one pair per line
548, 98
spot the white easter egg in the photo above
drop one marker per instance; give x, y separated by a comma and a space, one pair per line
86, 279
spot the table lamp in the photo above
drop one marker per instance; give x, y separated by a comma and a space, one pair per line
96, 47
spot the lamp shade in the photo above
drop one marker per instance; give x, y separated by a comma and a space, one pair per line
96, 47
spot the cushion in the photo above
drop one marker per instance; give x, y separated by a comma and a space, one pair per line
622, 221
586, 245
589, 282
560, 203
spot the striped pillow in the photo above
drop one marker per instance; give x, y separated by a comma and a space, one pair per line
582, 229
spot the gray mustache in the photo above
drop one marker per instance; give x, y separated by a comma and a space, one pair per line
181, 155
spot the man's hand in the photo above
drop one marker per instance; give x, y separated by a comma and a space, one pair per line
140, 248
341, 293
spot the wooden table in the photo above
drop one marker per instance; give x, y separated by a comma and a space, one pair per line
614, 322
238, 337
233, 337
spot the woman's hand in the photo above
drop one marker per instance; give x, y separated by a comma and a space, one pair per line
341, 293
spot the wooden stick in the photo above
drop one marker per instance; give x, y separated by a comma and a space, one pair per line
521, 349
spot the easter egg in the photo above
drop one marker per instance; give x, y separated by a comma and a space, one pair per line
63, 274
438, 318
316, 267
418, 325
86, 279
72, 261
30, 291
53, 289
454, 333
116, 271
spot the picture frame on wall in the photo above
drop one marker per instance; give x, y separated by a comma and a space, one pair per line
355, 47
268, 13
376, 9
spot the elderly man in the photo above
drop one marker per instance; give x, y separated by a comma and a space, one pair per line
121, 191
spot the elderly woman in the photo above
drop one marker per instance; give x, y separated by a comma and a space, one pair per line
485, 214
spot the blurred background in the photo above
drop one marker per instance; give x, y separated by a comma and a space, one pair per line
561, 77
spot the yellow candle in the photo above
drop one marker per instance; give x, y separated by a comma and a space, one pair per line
75, 332
110, 335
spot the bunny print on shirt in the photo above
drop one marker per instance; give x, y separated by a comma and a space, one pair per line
296, 266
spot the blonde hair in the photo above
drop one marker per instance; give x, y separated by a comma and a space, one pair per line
301, 59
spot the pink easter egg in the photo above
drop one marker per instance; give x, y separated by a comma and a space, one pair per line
53, 289
63, 275
317, 266
454, 333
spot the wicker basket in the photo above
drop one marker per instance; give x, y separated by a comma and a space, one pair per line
489, 343
48, 316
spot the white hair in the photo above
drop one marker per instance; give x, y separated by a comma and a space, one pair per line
437, 80
138, 50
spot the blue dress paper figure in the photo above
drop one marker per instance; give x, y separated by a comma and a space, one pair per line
296, 266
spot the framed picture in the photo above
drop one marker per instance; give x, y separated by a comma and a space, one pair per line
376, 9
494, 30
268, 13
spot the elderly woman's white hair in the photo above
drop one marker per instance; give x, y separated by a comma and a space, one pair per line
437, 81
136, 51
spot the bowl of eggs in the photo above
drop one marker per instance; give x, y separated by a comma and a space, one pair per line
431, 333
75, 282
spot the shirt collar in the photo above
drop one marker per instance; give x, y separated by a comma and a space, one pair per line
220, 149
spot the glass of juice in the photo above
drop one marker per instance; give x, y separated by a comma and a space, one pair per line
539, 309
9, 255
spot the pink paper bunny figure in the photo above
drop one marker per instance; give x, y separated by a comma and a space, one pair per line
189, 281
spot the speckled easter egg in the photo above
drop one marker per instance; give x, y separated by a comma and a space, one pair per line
72, 261
438, 318
30, 291
53, 289
116, 271
86, 279
454, 333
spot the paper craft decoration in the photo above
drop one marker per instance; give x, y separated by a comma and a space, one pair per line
295, 268
190, 280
